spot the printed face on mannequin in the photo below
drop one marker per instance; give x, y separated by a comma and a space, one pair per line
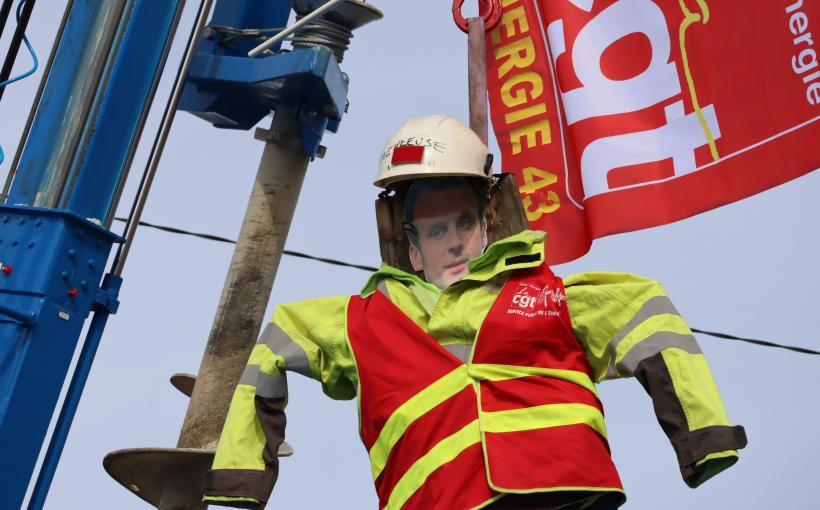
451, 231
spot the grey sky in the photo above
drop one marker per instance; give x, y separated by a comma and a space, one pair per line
749, 269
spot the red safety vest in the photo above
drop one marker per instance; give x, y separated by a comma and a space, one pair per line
522, 416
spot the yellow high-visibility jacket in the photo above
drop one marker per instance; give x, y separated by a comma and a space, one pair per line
625, 323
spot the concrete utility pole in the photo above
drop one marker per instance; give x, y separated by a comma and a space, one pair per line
246, 291
249, 281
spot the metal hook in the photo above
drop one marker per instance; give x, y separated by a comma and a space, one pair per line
489, 10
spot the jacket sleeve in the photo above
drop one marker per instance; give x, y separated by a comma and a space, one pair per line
308, 338
629, 327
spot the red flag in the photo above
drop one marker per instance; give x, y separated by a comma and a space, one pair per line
618, 115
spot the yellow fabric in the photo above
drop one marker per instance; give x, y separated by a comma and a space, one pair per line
713, 464
318, 326
227, 499
445, 451
666, 322
506, 421
417, 304
419, 405
696, 389
600, 305
494, 259
241, 444
726, 454
270, 363
449, 448
486, 371
545, 416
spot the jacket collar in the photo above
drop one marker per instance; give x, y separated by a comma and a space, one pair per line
522, 250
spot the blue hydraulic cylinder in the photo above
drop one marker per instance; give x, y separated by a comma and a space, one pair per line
54, 244
101, 174
94, 106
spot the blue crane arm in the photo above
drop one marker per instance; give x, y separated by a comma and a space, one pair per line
54, 243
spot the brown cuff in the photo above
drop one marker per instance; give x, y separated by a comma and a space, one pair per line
240, 483
694, 446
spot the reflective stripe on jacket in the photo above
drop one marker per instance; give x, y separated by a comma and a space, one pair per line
523, 409
625, 325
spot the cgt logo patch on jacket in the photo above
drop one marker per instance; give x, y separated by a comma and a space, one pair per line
531, 300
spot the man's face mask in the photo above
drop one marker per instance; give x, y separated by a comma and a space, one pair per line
450, 234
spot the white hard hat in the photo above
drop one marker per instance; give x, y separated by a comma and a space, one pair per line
433, 146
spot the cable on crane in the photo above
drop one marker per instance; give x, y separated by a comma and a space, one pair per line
371, 269
34, 104
321, 31
161, 138
36, 62
226, 35
13, 51
317, 31
4, 14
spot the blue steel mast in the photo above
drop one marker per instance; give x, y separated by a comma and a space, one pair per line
54, 241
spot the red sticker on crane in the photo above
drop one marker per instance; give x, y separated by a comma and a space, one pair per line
407, 154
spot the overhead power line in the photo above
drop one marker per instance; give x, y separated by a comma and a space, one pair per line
764, 343
231, 241
335, 262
